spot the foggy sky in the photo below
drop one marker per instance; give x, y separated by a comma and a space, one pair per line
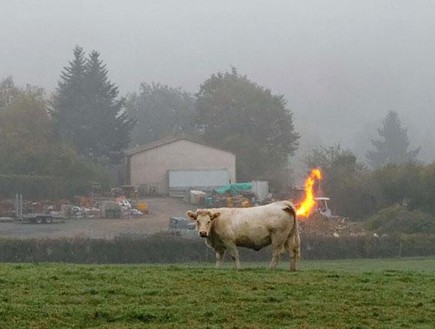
341, 64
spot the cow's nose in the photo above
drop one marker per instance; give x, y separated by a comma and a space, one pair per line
203, 234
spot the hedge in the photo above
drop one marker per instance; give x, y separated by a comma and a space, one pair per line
164, 248
39, 187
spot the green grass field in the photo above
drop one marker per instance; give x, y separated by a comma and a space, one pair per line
322, 294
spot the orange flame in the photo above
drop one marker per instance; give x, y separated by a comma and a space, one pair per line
306, 206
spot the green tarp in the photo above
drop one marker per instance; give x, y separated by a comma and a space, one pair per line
235, 188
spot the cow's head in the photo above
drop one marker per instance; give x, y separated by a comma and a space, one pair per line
203, 218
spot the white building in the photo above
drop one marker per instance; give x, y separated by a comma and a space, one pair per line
173, 165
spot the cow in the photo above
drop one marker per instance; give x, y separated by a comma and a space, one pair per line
255, 228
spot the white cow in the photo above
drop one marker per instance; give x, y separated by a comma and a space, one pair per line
254, 228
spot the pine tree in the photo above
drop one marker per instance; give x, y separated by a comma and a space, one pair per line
89, 113
109, 122
70, 100
392, 147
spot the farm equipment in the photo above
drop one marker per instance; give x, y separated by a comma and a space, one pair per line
320, 205
181, 226
23, 215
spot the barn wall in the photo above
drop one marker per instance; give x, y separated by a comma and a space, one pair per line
150, 167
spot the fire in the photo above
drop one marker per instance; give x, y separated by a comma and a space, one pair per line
305, 207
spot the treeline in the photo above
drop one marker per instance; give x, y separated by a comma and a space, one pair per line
42, 187
83, 128
359, 192
56, 145
169, 249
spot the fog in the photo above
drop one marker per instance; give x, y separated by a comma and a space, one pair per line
342, 65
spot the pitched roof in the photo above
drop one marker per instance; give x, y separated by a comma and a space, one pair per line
162, 142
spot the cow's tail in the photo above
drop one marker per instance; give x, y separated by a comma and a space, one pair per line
294, 239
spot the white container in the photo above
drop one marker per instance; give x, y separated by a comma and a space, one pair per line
260, 189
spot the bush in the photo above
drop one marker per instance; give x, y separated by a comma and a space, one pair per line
399, 220
41, 187
166, 249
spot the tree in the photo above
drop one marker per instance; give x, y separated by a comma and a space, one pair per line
160, 111
25, 132
32, 159
27, 138
392, 147
70, 101
399, 184
109, 124
8, 91
89, 113
343, 180
237, 115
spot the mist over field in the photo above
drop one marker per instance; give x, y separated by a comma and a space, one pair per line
340, 65
122, 121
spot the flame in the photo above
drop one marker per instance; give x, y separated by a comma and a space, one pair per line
305, 207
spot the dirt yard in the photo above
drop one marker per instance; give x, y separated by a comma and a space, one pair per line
160, 209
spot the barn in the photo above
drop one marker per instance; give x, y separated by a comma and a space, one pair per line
171, 166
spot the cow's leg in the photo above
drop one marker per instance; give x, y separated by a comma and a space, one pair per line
234, 252
220, 254
296, 255
293, 258
276, 254
278, 240
294, 252
293, 247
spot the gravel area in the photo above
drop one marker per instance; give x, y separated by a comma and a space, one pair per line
160, 209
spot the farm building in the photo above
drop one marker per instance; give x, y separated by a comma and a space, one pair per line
171, 166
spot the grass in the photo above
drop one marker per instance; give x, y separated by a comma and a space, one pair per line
351, 294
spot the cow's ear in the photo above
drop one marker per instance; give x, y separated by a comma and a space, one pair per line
191, 215
215, 215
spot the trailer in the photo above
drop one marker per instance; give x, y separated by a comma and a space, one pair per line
37, 218
34, 218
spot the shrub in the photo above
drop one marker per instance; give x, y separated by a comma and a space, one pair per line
41, 187
399, 220
163, 248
